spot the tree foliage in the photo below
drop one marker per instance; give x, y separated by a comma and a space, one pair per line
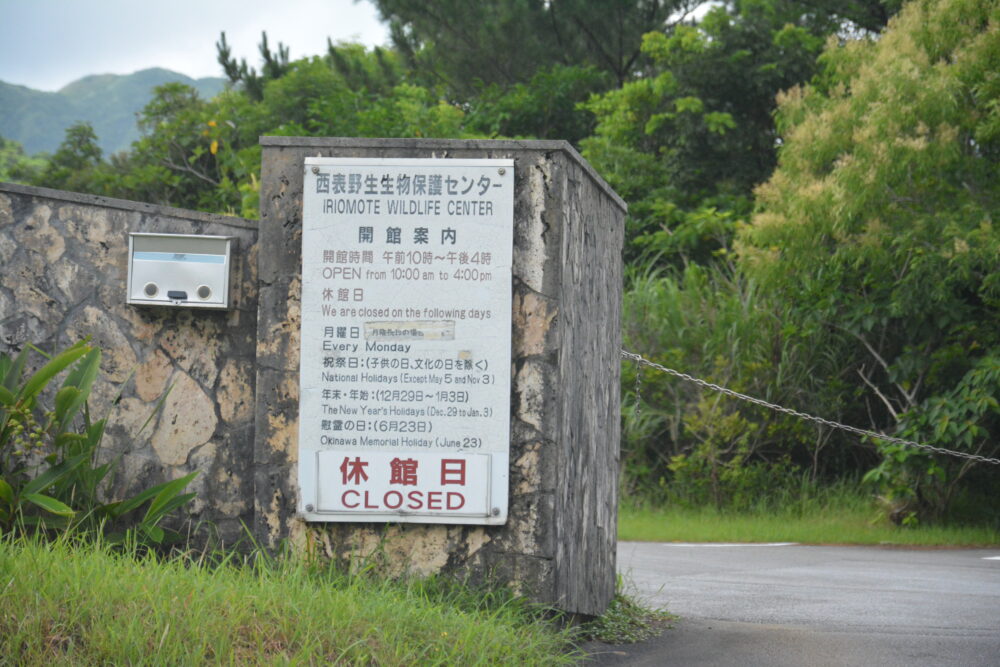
466, 45
523, 67
76, 157
548, 105
274, 65
687, 144
878, 231
205, 154
16, 165
864, 15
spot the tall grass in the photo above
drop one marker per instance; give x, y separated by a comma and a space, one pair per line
66, 602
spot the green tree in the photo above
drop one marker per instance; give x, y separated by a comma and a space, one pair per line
493, 56
521, 67
274, 66
686, 445
205, 154
467, 45
76, 163
878, 229
176, 161
17, 166
687, 144
548, 106
865, 15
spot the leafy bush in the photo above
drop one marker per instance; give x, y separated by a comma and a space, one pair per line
50, 477
913, 482
878, 233
686, 142
693, 446
546, 106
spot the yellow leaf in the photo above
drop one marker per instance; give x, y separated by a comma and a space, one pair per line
214, 148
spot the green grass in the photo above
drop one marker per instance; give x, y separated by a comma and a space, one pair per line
627, 620
818, 525
72, 603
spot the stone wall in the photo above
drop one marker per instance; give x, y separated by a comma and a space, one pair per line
63, 268
558, 546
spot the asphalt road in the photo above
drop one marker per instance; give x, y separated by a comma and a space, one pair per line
804, 605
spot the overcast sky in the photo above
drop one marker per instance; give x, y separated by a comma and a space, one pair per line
46, 44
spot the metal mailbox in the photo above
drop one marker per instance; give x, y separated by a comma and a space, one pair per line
184, 270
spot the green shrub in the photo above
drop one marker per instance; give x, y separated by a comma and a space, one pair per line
878, 233
688, 445
50, 477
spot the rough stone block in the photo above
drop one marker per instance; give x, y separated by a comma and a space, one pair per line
64, 258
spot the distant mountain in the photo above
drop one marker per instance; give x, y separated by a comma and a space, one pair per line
38, 119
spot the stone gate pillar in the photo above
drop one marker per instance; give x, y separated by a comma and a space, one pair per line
557, 544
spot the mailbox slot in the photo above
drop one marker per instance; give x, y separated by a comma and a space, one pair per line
184, 270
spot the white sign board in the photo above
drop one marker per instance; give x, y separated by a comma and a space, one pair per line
404, 407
